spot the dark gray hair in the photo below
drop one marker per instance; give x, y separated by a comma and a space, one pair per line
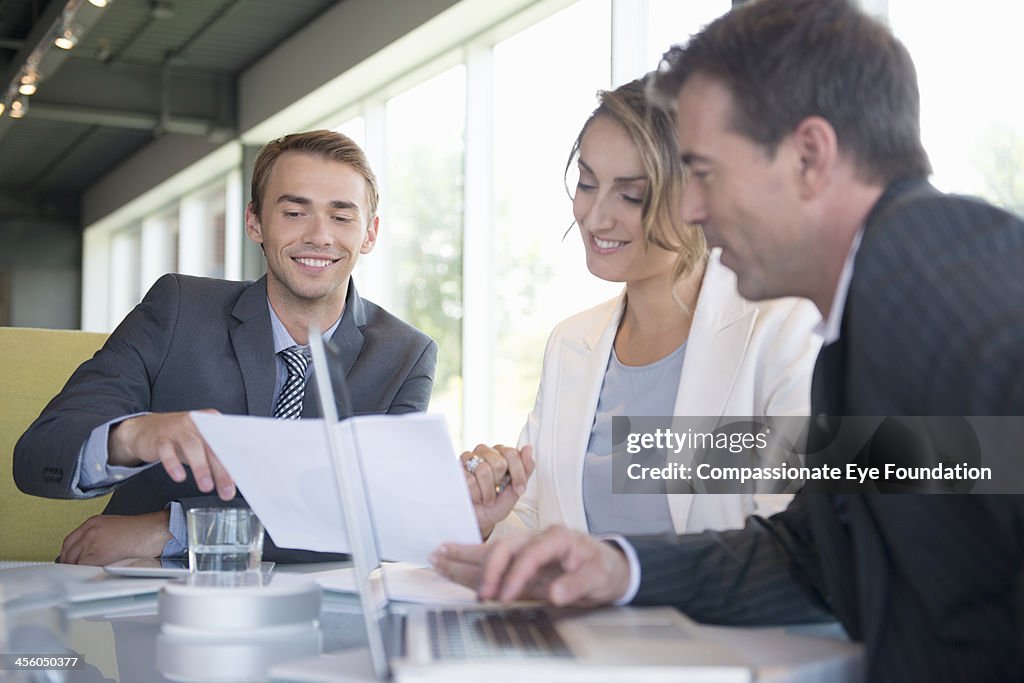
786, 60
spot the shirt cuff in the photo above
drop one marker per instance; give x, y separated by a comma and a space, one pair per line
179, 532
634, 566
94, 471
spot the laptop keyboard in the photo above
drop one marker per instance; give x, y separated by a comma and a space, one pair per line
484, 634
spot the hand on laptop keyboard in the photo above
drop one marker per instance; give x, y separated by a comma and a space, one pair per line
559, 566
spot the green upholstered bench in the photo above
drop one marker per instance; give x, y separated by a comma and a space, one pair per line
34, 366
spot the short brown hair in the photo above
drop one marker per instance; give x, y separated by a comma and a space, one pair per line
785, 60
653, 130
325, 144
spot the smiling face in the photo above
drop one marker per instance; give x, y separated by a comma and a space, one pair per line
748, 202
313, 224
608, 207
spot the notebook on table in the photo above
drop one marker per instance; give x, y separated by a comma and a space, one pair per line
499, 643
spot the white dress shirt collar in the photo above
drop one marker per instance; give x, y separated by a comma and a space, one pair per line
829, 328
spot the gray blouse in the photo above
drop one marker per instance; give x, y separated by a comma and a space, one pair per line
626, 506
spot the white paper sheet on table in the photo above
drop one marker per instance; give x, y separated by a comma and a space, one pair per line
405, 582
415, 486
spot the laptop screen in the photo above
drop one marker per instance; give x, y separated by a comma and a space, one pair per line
334, 398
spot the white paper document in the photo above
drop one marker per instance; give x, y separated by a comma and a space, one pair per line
415, 486
405, 582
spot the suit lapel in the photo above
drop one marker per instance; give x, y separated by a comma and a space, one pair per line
829, 380
850, 544
719, 336
253, 343
585, 358
348, 337
718, 341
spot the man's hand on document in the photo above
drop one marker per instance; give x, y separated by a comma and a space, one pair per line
559, 566
171, 438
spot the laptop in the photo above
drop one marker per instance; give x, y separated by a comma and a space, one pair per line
499, 643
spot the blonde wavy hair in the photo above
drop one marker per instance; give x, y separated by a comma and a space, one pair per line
653, 131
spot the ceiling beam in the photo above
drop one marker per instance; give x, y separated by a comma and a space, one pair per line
132, 86
88, 92
134, 120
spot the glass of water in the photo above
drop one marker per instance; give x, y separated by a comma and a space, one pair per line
224, 540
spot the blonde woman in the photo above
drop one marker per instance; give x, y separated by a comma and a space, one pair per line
679, 340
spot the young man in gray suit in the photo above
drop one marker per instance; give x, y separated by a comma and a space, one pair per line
231, 347
798, 122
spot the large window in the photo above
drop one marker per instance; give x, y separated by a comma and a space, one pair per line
545, 84
160, 246
422, 221
972, 113
670, 22
201, 232
196, 233
125, 257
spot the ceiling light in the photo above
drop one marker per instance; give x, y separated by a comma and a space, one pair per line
19, 107
61, 32
2, 108
29, 82
68, 36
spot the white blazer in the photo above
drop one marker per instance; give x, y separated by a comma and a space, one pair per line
743, 358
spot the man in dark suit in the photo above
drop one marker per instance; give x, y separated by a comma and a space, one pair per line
798, 124
232, 347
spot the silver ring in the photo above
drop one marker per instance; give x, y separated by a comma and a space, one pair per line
473, 463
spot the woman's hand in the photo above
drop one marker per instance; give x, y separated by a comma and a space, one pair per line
496, 477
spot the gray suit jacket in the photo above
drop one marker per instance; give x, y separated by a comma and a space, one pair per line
933, 325
198, 343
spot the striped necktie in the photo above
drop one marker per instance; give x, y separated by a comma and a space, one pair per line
289, 403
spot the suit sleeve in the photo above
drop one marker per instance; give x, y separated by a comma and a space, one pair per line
414, 394
115, 382
763, 574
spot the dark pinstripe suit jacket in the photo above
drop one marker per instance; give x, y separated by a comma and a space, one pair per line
201, 343
933, 585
